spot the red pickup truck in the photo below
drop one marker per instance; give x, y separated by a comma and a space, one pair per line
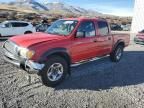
67, 41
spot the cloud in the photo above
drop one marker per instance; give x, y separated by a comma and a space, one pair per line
114, 7
120, 12
117, 11
111, 9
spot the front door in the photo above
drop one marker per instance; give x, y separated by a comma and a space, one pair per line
83, 47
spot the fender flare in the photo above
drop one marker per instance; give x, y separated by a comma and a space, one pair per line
63, 52
118, 43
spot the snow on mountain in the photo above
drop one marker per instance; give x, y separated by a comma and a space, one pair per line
54, 6
58, 6
29, 4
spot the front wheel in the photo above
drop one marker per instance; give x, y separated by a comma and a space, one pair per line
117, 54
54, 71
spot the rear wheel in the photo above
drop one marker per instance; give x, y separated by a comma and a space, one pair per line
54, 71
117, 54
28, 32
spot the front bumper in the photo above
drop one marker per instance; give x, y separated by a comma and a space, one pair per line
33, 67
139, 41
27, 65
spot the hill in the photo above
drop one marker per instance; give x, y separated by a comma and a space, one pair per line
53, 7
34, 11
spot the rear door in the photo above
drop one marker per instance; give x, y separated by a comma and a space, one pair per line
19, 27
83, 47
104, 38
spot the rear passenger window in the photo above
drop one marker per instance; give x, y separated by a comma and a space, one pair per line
16, 24
24, 24
88, 27
103, 28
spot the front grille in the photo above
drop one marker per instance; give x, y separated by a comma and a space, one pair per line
10, 47
10, 53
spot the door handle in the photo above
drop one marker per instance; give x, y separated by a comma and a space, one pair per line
98, 40
95, 41
109, 38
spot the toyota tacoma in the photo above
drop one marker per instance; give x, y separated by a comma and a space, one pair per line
67, 41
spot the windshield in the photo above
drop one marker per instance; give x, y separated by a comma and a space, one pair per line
62, 27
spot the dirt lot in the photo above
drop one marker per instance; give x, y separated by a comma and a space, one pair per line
98, 84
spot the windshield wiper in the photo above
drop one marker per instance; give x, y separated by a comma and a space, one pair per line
55, 33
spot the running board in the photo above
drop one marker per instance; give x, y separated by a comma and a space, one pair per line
87, 61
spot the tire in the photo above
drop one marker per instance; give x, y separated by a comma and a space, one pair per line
48, 73
28, 32
117, 54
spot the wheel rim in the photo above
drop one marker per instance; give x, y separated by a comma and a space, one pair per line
118, 53
55, 72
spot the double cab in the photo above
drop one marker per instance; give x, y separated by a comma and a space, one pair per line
67, 41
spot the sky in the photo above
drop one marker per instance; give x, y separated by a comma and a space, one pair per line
113, 7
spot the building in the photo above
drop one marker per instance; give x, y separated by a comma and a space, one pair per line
138, 17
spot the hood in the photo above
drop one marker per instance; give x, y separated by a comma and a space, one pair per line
35, 38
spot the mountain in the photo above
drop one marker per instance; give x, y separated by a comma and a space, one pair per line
32, 4
58, 6
54, 7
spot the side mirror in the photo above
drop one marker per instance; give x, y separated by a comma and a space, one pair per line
80, 34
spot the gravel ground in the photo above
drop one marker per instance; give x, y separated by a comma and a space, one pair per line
97, 84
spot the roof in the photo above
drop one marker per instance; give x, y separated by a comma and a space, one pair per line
85, 18
16, 21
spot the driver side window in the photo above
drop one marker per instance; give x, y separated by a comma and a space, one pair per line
88, 28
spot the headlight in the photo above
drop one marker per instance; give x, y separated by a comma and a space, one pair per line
25, 53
